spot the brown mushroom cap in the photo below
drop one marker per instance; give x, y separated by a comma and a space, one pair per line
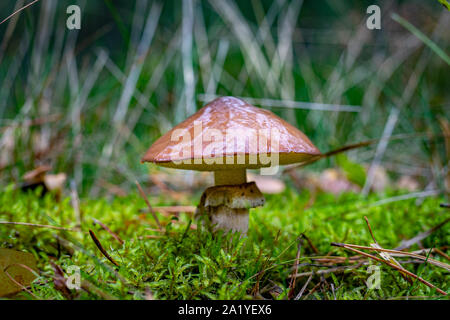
229, 114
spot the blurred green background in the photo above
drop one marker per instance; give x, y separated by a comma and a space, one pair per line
89, 102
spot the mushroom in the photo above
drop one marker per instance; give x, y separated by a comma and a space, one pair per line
228, 136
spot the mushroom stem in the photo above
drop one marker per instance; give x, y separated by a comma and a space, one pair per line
229, 219
227, 206
225, 218
230, 177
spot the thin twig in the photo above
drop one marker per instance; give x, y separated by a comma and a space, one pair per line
370, 230
299, 295
312, 290
383, 254
148, 204
104, 226
330, 270
17, 11
38, 225
391, 265
18, 283
358, 145
292, 283
412, 195
408, 243
441, 253
313, 247
102, 250
402, 253
175, 209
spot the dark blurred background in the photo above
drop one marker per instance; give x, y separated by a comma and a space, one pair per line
88, 103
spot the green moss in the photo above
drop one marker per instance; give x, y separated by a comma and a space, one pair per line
183, 263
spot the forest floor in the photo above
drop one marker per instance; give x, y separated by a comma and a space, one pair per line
290, 235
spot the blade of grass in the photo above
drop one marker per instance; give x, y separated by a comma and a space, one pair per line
427, 41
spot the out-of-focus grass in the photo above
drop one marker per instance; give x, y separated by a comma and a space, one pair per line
192, 264
90, 102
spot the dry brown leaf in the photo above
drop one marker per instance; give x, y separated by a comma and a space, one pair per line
55, 181
334, 181
18, 266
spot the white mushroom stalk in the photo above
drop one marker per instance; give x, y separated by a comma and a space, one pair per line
226, 206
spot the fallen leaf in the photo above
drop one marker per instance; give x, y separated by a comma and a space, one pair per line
17, 265
55, 181
335, 181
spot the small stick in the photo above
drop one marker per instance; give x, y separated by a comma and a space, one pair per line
385, 256
104, 226
175, 209
100, 247
370, 230
17, 11
148, 204
391, 265
38, 225
402, 253
304, 287
441, 253
339, 269
312, 290
408, 243
150, 236
292, 284
18, 283
313, 247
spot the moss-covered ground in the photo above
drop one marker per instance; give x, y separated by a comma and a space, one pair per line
185, 262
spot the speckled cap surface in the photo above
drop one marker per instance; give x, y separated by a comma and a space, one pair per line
228, 127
